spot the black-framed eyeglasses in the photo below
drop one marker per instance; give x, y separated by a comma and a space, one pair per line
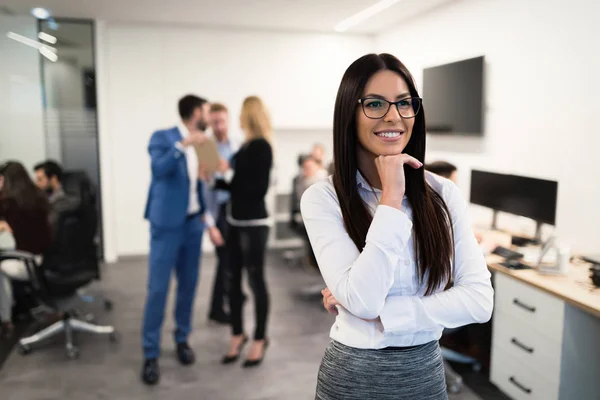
376, 108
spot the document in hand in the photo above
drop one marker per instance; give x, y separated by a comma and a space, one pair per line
208, 154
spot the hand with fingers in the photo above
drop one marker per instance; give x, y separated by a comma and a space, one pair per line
194, 139
5, 227
215, 236
393, 181
330, 303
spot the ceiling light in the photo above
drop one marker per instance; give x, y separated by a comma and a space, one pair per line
24, 40
364, 14
40, 13
47, 52
47, 38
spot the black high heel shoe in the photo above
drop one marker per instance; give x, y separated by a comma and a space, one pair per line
255, 363
232, 359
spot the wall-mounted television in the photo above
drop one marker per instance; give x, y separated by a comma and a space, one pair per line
453, 97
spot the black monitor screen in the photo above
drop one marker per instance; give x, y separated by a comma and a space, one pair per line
519, 195
453, 97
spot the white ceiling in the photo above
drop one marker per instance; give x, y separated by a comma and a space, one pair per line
292, 15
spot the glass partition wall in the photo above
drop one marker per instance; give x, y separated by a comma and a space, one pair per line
48, 95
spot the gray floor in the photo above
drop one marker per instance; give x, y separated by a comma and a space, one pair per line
298, 332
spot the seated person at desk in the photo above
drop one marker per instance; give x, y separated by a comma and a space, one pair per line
443, 168
448, 171
49, 178
24, 212
312, 172
318, 154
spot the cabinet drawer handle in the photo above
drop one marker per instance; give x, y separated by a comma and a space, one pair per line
521, 345
523, 305
517, 384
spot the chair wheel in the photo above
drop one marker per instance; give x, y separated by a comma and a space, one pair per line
113, 337
454, 388
108, 305
73, 353
89, 317
24, 349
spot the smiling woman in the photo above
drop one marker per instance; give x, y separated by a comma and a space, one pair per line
389, 238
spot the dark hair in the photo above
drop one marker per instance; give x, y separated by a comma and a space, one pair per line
441, 168
19, 190
51, 168
188, 104
432, 228
301, 159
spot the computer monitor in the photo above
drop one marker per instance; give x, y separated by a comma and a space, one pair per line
528, 197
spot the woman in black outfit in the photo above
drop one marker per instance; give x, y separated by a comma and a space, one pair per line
247, 239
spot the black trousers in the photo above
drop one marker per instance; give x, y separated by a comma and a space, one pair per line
247, 246
219, 293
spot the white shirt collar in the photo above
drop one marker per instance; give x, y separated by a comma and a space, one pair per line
362, 183
183, 129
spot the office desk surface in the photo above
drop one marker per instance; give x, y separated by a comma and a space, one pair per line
575, 288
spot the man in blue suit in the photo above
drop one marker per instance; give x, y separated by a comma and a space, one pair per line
175, 210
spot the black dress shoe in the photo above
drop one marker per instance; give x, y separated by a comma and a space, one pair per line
232, 359
220, 318
150, 372
185, 354
255, 363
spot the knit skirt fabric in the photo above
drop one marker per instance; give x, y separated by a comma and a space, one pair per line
412, 373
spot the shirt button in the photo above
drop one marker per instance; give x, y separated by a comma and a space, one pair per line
406, 262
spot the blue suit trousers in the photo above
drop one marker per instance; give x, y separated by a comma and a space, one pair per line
177, 250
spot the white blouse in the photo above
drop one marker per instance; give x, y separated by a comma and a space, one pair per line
382, 280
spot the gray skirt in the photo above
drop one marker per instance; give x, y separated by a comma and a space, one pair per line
412, 373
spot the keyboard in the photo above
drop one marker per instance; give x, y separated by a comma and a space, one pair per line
515, 264
507, 253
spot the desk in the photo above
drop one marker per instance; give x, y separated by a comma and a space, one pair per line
575, 288
546, 334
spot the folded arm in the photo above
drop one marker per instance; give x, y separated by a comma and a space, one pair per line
470, 300
360, 281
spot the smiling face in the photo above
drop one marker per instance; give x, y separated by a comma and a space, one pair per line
389, 134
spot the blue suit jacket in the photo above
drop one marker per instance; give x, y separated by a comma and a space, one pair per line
169, 193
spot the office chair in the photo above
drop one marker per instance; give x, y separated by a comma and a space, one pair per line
296, 256
78, 185
68, 265
454, 381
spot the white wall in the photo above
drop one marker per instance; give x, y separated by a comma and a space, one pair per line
146, 69
21, 128
542, 88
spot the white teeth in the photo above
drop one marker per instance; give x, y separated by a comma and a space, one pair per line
388, 134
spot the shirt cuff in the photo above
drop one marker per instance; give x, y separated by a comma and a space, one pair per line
228, 175
390, 228
209, 219
398, 315
180, 147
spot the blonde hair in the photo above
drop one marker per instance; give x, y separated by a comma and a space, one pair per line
255, 119
218, 107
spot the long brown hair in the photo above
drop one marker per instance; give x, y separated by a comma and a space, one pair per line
19, 190
432, 227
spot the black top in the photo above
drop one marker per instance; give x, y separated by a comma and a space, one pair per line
250, 183
31, 227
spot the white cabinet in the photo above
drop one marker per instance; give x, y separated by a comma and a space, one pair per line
526, 340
